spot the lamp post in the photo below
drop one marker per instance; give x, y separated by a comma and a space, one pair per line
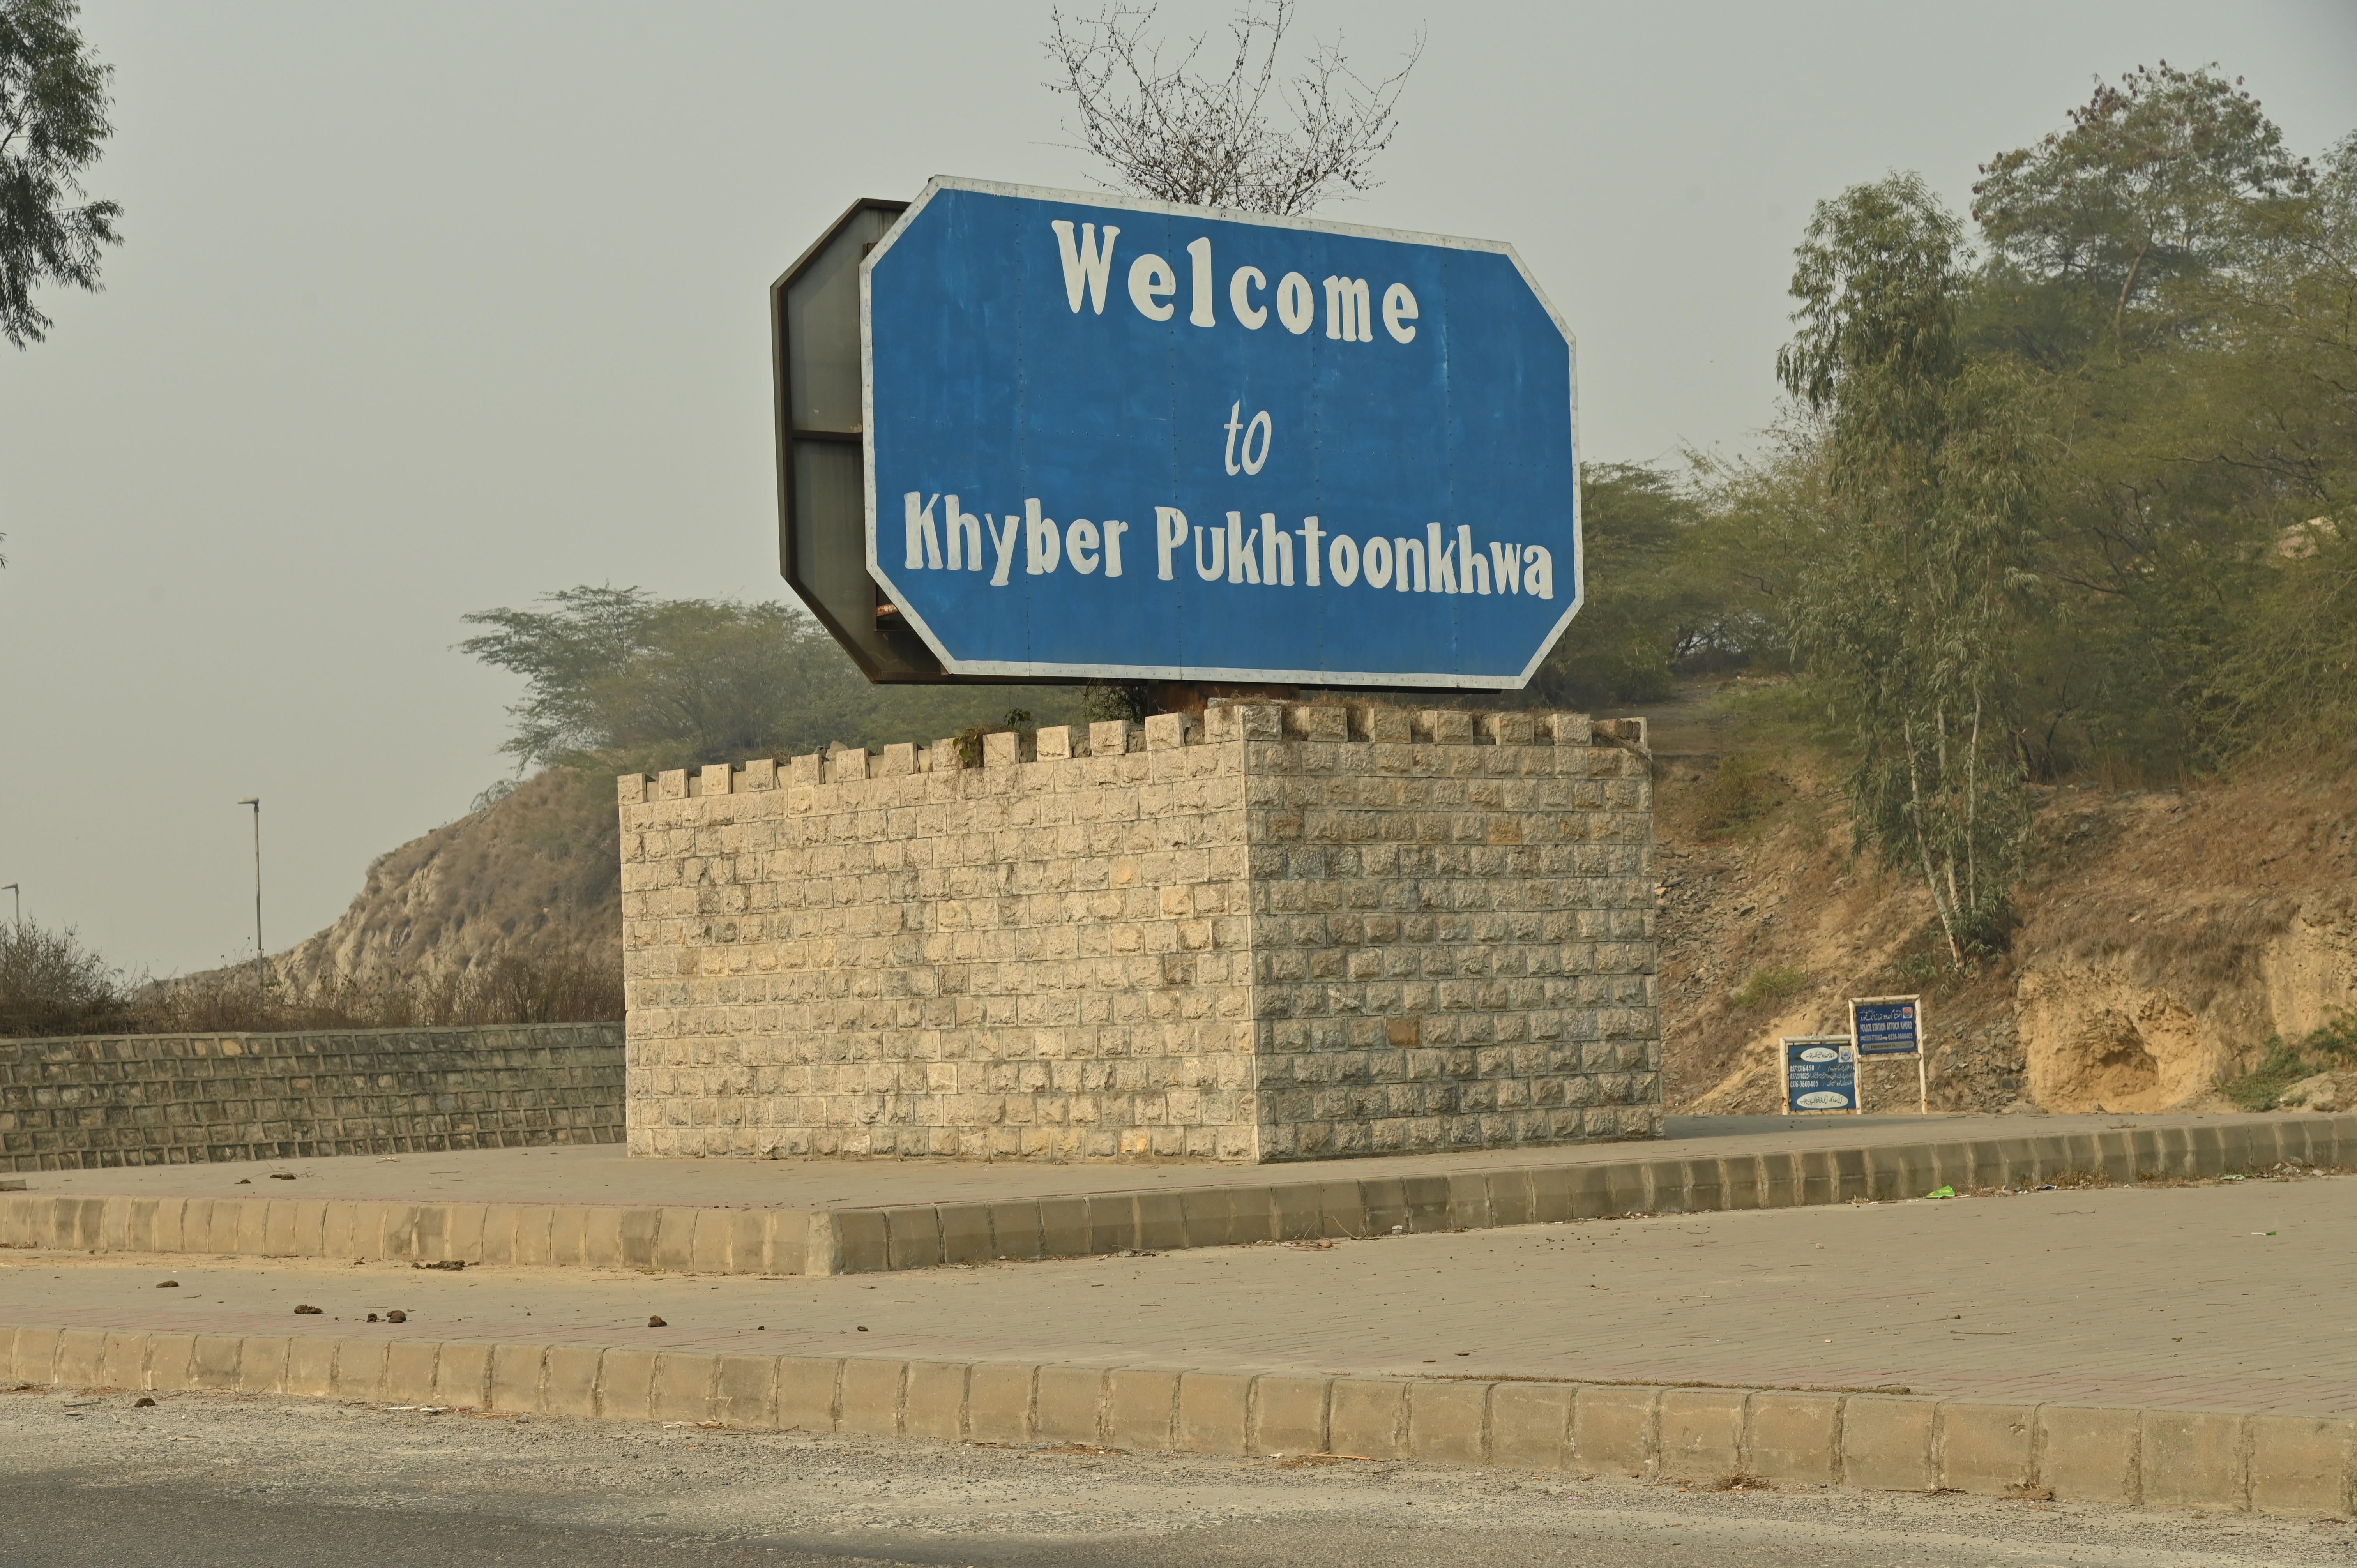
19, 892
259, 993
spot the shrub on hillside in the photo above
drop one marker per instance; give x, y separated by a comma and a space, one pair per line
51, 985
1770, 986
556, 989
1743, 790
2332, 1048
632, 679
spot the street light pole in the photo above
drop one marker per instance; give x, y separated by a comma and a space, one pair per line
260, 994
19, 892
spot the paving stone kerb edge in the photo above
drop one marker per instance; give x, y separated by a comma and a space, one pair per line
721, 1240
2295, 1465
1283, 932
88, 1102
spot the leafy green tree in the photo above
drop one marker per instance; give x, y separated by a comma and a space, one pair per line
623, 675
2289, 684
1763, 520
2088, 503
1667, 584
53, 104
2143, 186
1907, 611
2161, 264
1621, 646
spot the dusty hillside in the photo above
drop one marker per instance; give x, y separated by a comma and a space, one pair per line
2172, 934
2165, 935
537, 875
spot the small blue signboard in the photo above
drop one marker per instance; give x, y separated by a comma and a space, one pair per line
1887, 1026
1115, 438
1820, 1073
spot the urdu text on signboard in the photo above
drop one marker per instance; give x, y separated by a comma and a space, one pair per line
1118, 439
1887, 1026
1820, 1073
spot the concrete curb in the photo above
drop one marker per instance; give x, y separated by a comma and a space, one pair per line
864, 1241
536, 1235
2297, 1465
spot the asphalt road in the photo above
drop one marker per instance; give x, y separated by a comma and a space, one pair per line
202, 1480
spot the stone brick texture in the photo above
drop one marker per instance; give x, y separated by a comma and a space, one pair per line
1277, 932
83, 1103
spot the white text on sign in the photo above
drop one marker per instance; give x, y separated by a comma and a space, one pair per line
1088, 266
1439, 562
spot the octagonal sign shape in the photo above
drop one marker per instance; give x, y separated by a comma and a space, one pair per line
1119, 439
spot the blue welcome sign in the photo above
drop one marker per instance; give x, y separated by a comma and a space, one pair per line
1115, 438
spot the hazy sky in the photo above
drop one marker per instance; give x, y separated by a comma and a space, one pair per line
427, 308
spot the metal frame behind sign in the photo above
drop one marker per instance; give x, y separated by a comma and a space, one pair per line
1923, 1071
1841, 1042
817, 349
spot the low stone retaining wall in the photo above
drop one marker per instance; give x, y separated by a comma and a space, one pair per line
713, 1240
84, 1102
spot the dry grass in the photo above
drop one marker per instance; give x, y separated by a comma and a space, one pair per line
83, 997
2332, 1048
51, 985
2189, 887
537, 875
1770, 986
566, 988
509, 914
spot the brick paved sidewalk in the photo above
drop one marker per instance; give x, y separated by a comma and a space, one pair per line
2223, 1297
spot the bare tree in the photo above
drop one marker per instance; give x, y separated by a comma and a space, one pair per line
1172, 132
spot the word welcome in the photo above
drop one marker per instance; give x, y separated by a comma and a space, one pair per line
1087, 265
1263, 555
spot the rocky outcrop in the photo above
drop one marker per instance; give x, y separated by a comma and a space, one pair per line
2137, 1034
2327, 1091
536, 876
2097, 1041
2172, 936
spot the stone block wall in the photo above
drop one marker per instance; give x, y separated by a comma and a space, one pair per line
84, 1102
1277, 932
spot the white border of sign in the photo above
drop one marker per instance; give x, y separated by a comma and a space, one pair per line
1784, 1074
1923, 1071
876, 568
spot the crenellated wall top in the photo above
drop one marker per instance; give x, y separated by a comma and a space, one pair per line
1221, 724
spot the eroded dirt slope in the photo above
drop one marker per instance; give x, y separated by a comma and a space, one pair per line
2165, 935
